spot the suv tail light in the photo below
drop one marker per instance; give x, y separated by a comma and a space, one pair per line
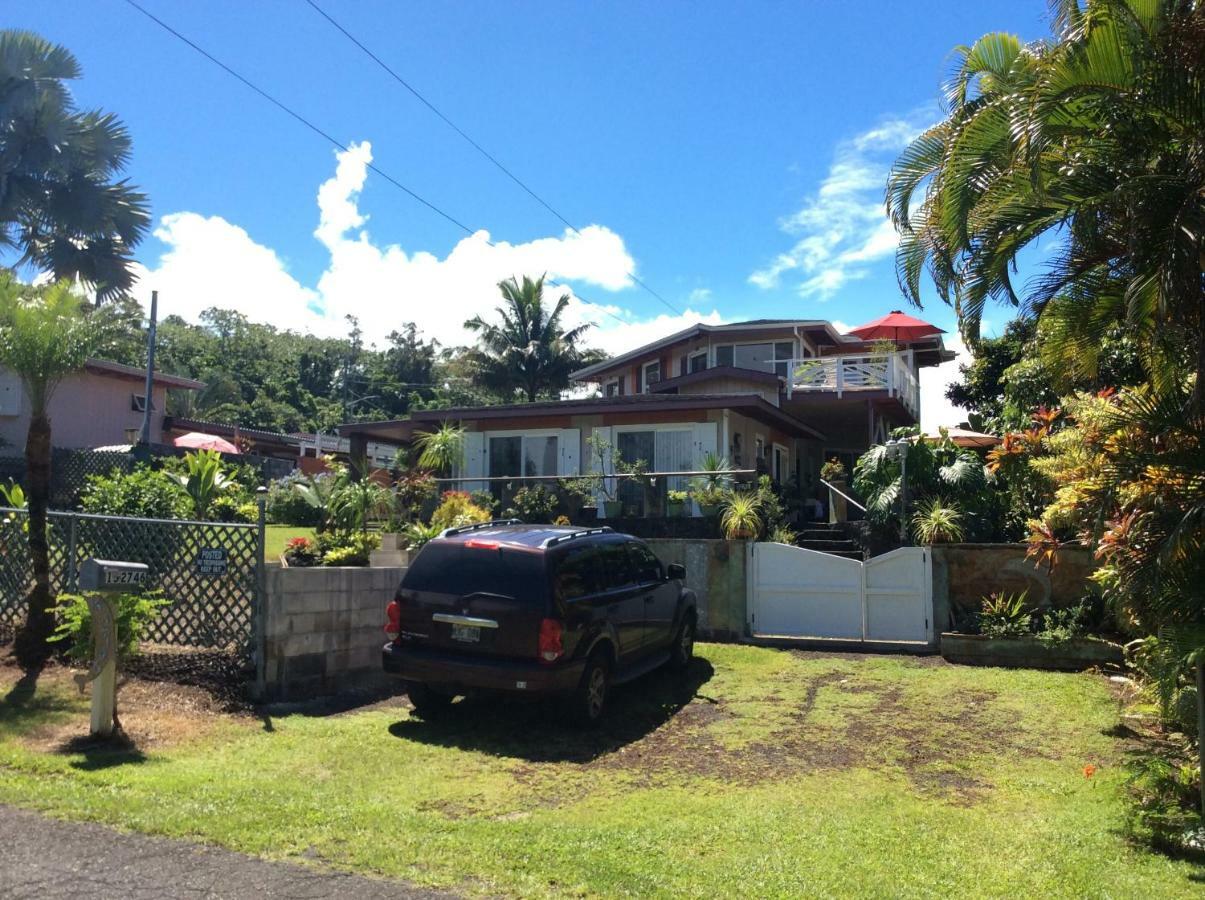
551, 648
393, 620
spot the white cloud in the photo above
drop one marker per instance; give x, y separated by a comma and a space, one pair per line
843, 225
935, 409
212, 262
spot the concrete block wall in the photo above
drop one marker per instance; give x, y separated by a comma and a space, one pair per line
715, 571
963, 574
322, 629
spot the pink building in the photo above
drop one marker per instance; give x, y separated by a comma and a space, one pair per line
99, 407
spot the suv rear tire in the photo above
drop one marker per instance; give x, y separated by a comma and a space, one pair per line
683, 649
429, 703
587, 703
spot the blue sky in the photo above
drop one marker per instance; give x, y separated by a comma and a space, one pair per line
731, 154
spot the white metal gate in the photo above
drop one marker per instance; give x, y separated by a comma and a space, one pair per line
798, 593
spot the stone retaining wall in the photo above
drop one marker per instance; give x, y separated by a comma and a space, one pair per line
322, 629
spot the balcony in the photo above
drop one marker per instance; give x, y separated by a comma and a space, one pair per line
855, 373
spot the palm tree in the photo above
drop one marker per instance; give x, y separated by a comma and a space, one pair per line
529, 352
1095, 140
45, 335
441, 450
61, 205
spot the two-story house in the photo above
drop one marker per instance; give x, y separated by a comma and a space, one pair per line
777, 396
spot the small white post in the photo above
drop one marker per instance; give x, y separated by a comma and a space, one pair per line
104, 688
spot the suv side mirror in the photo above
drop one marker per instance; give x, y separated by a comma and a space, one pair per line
676, 572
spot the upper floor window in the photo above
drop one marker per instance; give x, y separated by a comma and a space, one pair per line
613, 388
652, 374
697, 362
763, 357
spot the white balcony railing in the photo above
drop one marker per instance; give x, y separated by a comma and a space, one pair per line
858, 372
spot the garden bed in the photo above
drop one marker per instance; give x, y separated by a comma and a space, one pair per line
1072, 655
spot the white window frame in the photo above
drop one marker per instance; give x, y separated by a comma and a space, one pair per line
786, 461
691, 357
771, 341
617, 381
644, 375
520, 433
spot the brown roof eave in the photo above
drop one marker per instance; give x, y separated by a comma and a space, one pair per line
751, 405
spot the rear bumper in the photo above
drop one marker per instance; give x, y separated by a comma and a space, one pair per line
457, 671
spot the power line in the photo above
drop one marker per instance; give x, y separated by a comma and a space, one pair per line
325, 135
493, 159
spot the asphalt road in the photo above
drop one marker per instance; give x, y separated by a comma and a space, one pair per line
46, 858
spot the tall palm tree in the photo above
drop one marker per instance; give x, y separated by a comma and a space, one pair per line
61, 204
1094, 139
529, 353
46, 334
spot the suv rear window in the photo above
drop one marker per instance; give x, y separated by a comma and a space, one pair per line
453, 568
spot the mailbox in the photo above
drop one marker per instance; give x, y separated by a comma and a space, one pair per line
111, 575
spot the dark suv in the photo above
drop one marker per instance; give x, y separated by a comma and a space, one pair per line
535, 609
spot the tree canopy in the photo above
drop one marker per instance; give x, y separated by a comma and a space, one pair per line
62, 205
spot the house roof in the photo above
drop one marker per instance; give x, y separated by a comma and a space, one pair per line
224, 429
118, 370
747, 404
669, 385
700, 328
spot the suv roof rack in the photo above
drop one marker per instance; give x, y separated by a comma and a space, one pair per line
463, 529
562, 538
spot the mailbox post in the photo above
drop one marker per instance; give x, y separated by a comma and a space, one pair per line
99, 579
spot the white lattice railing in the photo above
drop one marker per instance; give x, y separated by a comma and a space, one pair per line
861, 372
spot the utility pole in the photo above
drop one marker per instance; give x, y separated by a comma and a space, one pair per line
145, 436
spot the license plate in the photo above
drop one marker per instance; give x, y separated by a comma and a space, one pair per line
470, 634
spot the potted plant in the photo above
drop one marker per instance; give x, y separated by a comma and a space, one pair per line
711, 488
741, 518
606, 459
833, 472
675, 503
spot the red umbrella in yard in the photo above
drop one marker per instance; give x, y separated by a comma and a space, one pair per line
196, 440
895, 326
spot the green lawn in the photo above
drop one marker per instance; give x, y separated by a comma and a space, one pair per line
277, 536
763, 773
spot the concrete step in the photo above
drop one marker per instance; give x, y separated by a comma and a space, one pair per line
829, 545
380, 559
823, 534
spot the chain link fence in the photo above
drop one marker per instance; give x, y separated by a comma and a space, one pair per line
209, 571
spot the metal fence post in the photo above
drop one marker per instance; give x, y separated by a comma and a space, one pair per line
261, 596
72, 570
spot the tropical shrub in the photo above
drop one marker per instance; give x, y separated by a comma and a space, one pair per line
535, 504
135, 615
301, 552
286, 505
456, 508
356, 502
783, 535
352, 550
1005, 615
935, 469
417, 534
247, 512
12, 495
204, 480
413, 491
318, 491
225, 508
144, 492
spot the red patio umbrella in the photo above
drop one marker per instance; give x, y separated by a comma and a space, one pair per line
196, 440
895, 326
